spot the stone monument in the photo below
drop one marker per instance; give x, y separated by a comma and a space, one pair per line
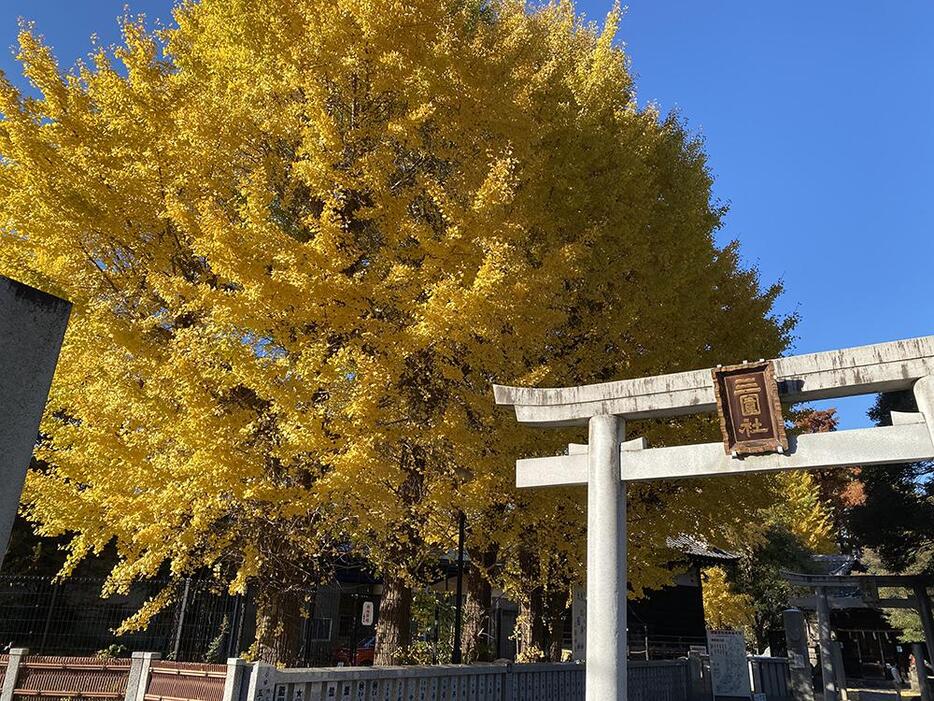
32, 327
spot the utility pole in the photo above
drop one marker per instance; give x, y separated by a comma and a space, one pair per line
457, 655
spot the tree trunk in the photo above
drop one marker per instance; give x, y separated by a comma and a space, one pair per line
531, 633
476, 640
393, 632
554, 610
541, 626
279, 618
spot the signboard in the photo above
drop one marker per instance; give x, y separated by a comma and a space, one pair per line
750, 410
366, 618
729, 670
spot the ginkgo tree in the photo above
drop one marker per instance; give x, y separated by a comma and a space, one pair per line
303, 238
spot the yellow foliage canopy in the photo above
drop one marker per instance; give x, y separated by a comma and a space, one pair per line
303, 238
724, 608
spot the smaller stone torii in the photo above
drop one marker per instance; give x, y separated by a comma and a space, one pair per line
608, 462
868, 585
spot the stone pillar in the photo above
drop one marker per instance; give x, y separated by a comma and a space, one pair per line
924, 397
924, 612
828, 677
261, 683
796, 639
32, 326
606, 563
698, 682
138, 681
921, 672
839, 671
12, 671
234, 679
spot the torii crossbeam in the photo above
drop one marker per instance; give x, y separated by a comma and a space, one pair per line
607, 463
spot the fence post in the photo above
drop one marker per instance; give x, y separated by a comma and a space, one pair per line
507, 683
12, 672
48, 618
138, 680
695, 671
234, 679
924, 684
183, 605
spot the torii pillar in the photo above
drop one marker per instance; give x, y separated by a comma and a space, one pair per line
32, 326
606, 463
606, 560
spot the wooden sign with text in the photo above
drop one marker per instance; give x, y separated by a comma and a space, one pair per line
750, 410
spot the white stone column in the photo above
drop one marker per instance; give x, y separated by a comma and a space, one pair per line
234, 678
606, 562
924, 397
140, 669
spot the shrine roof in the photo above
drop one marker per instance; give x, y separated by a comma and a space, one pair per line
696, 549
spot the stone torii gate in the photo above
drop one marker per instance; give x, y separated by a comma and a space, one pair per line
608, 462
822, 602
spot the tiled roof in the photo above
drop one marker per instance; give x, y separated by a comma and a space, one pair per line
834, 564
696, 548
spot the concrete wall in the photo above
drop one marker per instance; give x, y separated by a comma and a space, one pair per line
32, 326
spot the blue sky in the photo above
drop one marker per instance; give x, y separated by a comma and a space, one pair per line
819, 123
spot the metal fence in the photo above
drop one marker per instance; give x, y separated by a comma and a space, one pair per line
206, 624
203, 624
646, 644
71, 618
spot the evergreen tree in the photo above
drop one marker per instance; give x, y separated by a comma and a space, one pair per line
896, 518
